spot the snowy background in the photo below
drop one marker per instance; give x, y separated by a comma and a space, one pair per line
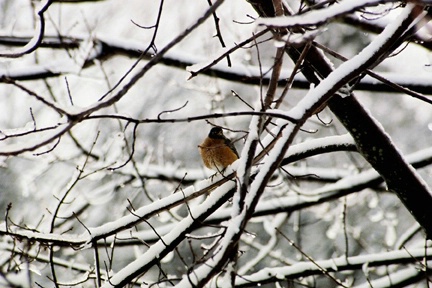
94, 191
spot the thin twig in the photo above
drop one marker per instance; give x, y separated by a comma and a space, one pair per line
68, 91
172, 110
132, 152
290, 80
229, 51
219, 33
38, 97
194, 118
322, 269
143, 53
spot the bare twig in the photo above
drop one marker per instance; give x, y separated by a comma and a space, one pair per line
195, 118
219, 33
227, 53
322, 269
57, 209
151, 45
172, 110
132, 152
38, 97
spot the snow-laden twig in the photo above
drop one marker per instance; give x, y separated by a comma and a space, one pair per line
347, 185
170, 240
306, 268
400, 278
320, 16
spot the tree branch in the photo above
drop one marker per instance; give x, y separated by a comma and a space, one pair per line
269, 275
110, 47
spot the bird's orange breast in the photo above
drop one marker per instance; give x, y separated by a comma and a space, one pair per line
216, 154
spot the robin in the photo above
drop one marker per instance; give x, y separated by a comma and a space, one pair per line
217, 151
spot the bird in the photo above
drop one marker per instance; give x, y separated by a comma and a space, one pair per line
217, 151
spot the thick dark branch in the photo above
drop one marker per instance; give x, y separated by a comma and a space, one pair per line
373, 143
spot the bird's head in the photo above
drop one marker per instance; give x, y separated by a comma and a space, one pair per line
216, 133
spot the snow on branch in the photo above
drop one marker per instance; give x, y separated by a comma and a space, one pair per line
302, 111
317, 17
400, 278
247, 74
347, 185
303, 269
169, 241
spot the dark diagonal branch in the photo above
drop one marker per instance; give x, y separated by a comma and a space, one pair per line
373, 143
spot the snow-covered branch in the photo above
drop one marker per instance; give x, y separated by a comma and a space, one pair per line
306, 268
105, 46
320, 16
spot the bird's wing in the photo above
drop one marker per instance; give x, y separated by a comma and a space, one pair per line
231, 146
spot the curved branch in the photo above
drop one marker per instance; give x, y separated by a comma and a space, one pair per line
35, 42
16, 149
